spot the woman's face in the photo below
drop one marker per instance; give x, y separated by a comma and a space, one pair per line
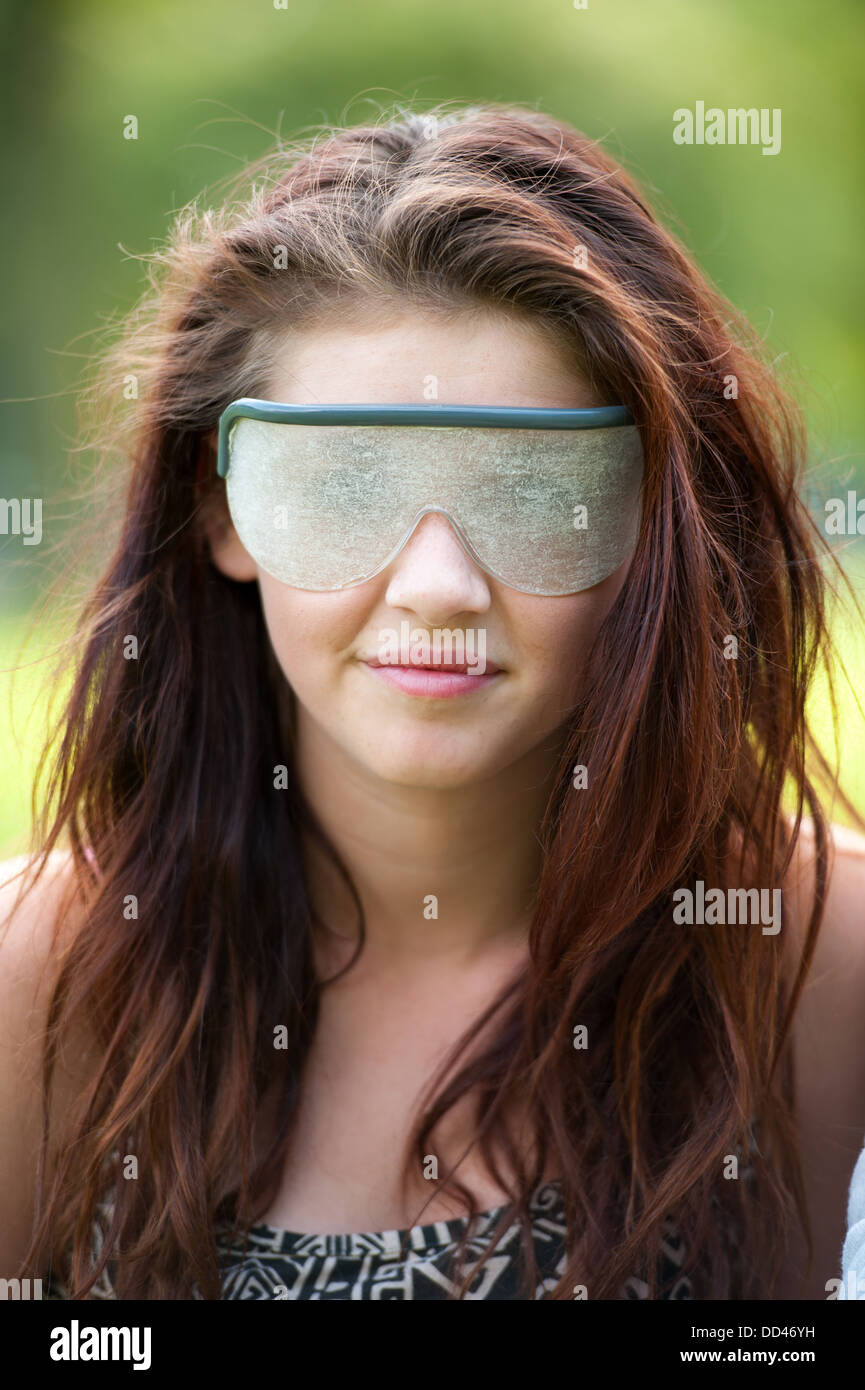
323, 641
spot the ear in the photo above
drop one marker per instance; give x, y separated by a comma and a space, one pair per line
227, 551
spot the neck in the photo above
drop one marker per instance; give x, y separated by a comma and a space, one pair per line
444, 875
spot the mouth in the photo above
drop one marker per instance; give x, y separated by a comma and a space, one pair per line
433, 680
460, 667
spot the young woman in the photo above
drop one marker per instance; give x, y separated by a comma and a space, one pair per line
358, 980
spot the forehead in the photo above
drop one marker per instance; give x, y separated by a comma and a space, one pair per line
462, 358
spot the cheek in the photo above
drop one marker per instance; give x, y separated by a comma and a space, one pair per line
561, 636
558, 633
307, 629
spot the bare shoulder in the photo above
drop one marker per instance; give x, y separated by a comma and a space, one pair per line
29, 919
35, 927
828, 1044
831, 1019
842, 933
36, 924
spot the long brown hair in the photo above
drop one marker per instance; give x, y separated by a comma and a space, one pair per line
163, 765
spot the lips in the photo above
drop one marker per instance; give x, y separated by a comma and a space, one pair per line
446, 667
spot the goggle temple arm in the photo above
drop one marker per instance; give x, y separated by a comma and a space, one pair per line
484, 416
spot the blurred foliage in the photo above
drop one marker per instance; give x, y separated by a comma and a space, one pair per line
213, 84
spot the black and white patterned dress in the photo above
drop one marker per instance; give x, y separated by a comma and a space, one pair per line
291, 1266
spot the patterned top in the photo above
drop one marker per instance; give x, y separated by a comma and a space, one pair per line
292, 1266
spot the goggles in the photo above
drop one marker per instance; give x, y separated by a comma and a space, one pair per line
325, 496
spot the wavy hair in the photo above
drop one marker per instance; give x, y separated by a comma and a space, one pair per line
160, 770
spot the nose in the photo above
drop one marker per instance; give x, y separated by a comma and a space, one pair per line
433, 574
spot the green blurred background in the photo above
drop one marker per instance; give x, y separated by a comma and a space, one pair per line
212, 84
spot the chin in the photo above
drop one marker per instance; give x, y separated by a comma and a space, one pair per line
428, 770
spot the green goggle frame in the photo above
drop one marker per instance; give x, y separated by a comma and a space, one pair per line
325, 496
